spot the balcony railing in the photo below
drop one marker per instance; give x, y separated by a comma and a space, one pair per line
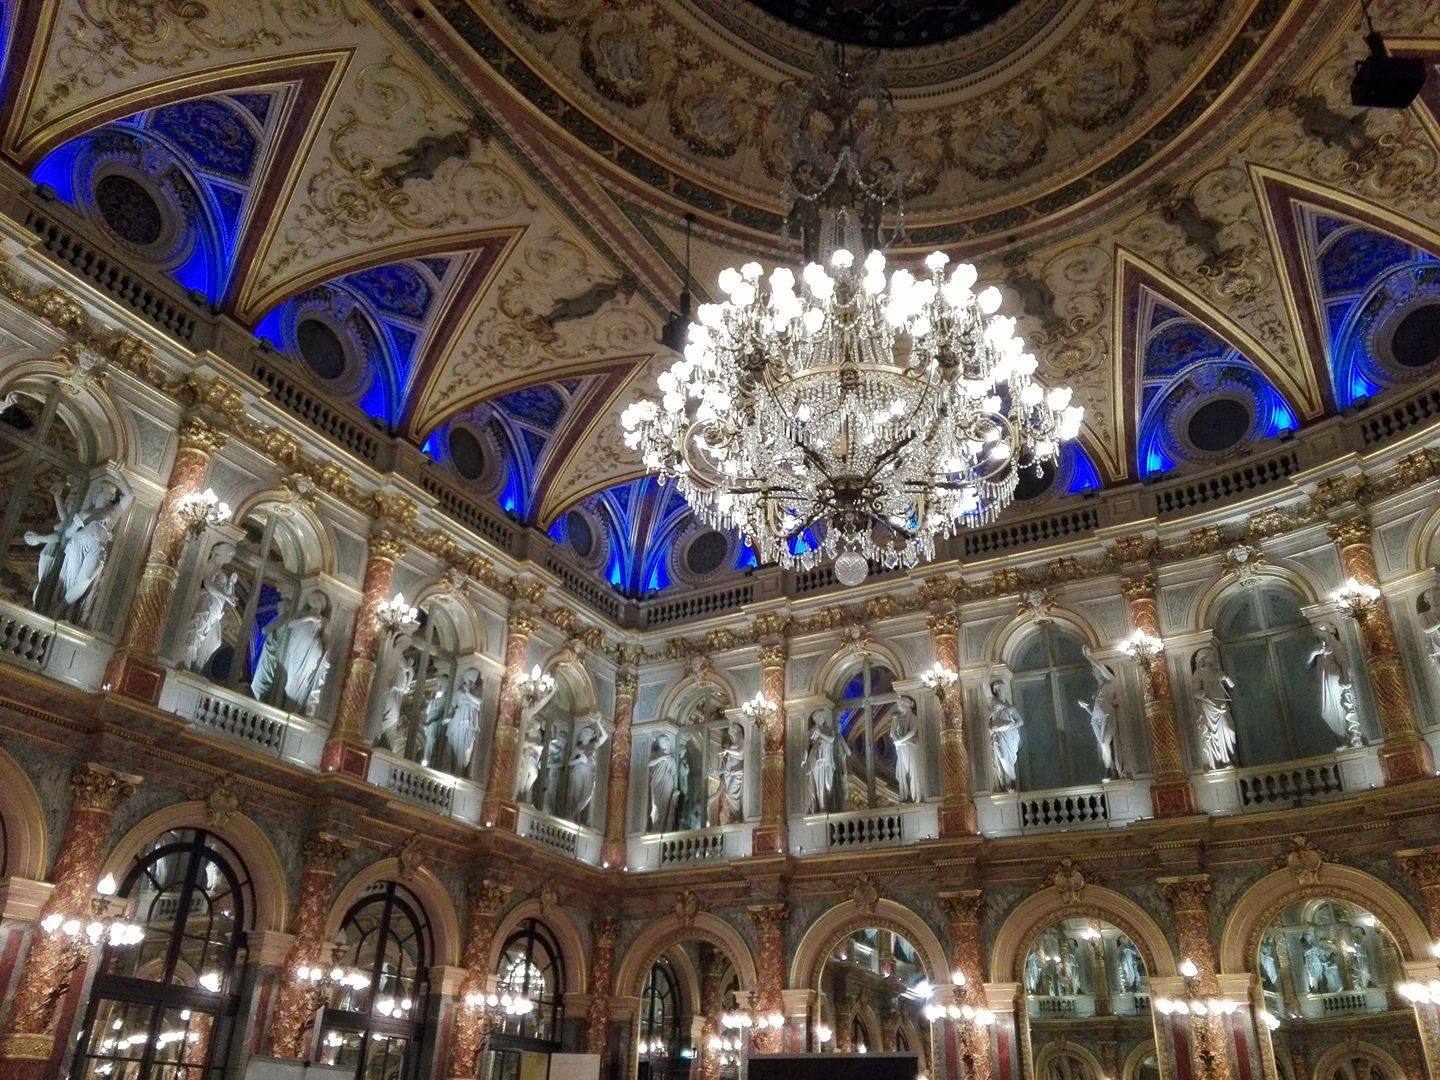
1088, 806
24, 637
59, 649
1342, 1003
853, 830
1288, 783
226, 713
562, 837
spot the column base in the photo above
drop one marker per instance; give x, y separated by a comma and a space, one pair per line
500, 814
350, 758
1174, 798
769, 840
1406, 762
131, 677
959, 820
26, 1057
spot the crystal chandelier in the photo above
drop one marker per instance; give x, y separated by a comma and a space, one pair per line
883, 411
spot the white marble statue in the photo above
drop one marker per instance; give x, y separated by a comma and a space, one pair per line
1427, 607
1322, 966
462, 724
664, 784
293, 661
726, 805
1005, 723
1104, 711
1269, 965
821, 763
435, 717
1130, 968
394, 678
1331, 661
905, 732
217, 593
583, 772
532, 749
80, 542
1211, 687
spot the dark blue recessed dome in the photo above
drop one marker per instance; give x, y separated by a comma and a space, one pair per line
887, 24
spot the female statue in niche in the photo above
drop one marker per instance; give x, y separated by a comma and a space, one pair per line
1211, 687
395, 677
1269, 966
1005, 723
1427, 606
664, 784
217, 593
1322, 965
1331, 661
1129, 967
293, 662
1103, 710
51, 546
462, 725
435, 717
583, 772
904, 733
725, 805
820, 762
82, 542
532, 749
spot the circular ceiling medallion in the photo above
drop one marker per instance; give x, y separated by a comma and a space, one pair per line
882, 24
321, 348
707, 553
466, 453
582, 537
1415, 342
129, 210
1219, 424
1033, 484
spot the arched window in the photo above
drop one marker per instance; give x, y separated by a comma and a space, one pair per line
1080, 963
165, 1007
1265, 646
530, 965
377, 1030
1057, 743
423, 690
858, 1039
1362, 1066
59, 516
865, 713
709, 754
661, 1013
1325, 958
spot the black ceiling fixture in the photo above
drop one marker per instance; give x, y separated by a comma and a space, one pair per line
677, 327
1383, 81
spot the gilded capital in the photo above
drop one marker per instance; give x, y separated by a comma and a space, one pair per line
1423, 864
606, 931
1139, 587
964, 906
1350, 532
626, 683
100, 789
1185, 893
944, 623
521, 624
769, 918
387, 545
196, 434
324, 853
487, 898
772, 656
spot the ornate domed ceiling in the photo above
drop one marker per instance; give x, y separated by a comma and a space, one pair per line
465, 218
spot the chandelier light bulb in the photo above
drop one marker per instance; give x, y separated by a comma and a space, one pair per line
1188, 969
106, 886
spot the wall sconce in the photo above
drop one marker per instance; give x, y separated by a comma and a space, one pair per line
1426, 993
1356, 599
98, 928
1147, 648
939, 679
202, 510
760, 709
533, 685
396, 614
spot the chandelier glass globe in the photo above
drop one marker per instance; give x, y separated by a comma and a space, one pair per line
889, 409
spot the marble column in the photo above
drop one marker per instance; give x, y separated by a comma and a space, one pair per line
323, 856
1170, 793
604, 933
1404, 755
1423, 864
499, 809
487, 900
617, 796
957, 810
712, 964
771, 836
769, 922
132, 670
30, 1033
967, 957
1209, 1036
346, 751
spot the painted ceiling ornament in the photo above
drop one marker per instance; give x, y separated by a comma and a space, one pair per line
1068, 880
865, 894
411, 857
422, 159
223, 802
687, 906
849, 416
1304, 860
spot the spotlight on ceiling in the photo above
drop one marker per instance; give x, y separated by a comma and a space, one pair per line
1383, 81
677, 327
